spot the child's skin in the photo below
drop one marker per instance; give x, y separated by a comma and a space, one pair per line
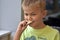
31, 14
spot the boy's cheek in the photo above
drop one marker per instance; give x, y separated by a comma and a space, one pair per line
25, 18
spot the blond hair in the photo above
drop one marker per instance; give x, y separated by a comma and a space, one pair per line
41, 3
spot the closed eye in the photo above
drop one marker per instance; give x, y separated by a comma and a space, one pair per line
33, 13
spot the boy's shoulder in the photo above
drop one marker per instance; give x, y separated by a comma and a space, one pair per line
52, 29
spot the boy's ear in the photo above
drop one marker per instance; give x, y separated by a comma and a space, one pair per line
44, 13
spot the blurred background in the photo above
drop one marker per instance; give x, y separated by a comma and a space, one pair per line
10, 16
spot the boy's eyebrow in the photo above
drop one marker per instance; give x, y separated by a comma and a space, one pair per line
31, 12
25, 13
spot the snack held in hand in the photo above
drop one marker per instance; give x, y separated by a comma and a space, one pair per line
29, 22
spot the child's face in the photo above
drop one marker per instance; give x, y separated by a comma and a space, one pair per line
35, 15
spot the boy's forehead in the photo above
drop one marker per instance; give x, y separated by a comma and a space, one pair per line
31, 8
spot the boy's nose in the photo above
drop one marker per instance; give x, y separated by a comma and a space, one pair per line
29, 18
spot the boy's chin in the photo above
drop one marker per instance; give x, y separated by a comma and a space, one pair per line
31, 25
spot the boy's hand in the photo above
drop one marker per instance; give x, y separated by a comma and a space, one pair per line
22, 26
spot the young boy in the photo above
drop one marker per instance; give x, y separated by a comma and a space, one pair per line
33, 27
